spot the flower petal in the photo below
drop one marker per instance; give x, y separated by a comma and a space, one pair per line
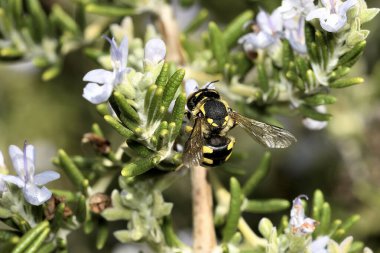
155, 50
333, 23
35, 195
3, 186
276, 21
14, 180
320, 13
346, 6
97, 94
190, 87
46, 177
319, 245
314, 124
263, 21
2, 164
98, 76
123, 49
17, 157
29, 154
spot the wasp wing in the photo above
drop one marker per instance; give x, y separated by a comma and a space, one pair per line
193, 153
265, 134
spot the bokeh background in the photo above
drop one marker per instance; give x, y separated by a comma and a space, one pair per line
342, 160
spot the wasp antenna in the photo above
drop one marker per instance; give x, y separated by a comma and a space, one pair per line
207, 85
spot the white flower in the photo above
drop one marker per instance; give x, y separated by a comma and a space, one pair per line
155, 51
292, 8
295, 33
96, 93
192, 86
269, 31
299, 223
333, 16
23, 164
319, 245
313, 124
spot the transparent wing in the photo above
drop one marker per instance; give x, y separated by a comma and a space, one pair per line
193, 154
265, 134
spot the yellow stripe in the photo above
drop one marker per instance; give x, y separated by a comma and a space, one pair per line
228, 157
231, 144
207, 150
203, 109
208, 161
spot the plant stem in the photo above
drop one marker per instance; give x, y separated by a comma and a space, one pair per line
171, 33
203, 222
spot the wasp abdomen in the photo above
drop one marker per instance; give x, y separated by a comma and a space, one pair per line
217, 150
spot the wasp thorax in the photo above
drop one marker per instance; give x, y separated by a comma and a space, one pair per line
215, 113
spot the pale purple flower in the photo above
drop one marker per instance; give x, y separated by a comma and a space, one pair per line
319, 245
333, 16
23, 164
299, 223
3, 187
293, 8
295, 33
96, 93
269, 31
313, 124
155, 51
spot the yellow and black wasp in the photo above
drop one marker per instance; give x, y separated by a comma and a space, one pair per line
213, 119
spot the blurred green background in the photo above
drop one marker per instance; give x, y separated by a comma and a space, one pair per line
342, 160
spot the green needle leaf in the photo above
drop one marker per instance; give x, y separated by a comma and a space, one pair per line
163, 77
39, 20
65, 20
125, 108
58, 217
125, 132
261, 171
36, 244
218, 45
48, 248
263, 77
149, 97
236, 28
197, 21
171, 87
318, 201
233, 215
107, 10
81, 212
72, 171
178, 114
28, 238
155, 104
356, 51
266, 206
325, 218
346, 82
139, 166
320, 99
102, 235
309, 112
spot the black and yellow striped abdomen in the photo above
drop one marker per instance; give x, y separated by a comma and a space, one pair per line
217, 150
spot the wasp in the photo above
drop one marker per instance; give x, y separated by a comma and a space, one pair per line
213, 119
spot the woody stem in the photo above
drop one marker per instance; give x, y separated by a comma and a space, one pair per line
203, 222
